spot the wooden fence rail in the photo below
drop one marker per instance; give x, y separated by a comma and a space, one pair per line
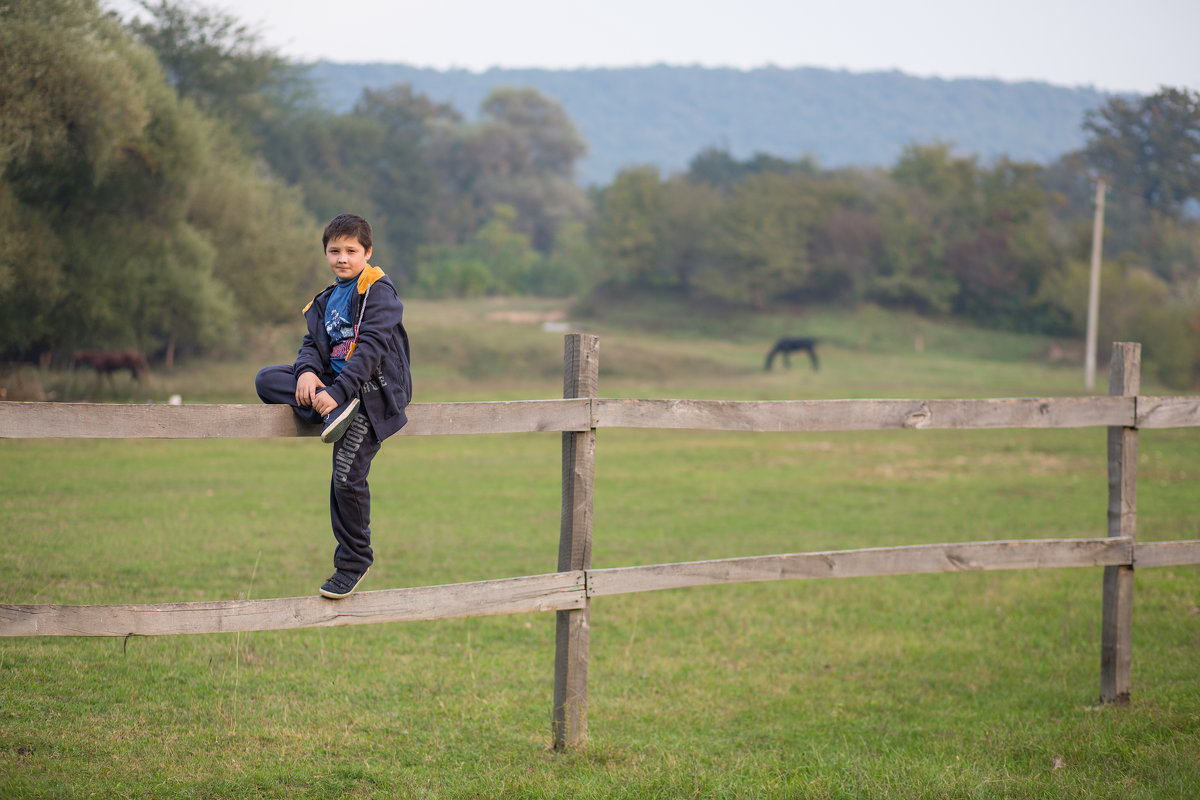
568, 591
19, 420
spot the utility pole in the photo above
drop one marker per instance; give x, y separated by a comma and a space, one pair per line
1089, 356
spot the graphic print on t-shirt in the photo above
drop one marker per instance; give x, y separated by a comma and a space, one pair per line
338, 324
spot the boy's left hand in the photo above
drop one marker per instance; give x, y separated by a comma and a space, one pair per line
323, 403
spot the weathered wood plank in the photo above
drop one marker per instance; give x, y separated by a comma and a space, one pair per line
1166, 554
19, 420
902, 560
129, 421
515, 416
839, 415
505, 596
122, 421
1168, 412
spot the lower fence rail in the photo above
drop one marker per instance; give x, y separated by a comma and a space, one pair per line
562, 591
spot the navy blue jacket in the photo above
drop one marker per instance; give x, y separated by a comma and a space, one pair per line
377, 369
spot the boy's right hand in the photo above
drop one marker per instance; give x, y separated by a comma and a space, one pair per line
306, 388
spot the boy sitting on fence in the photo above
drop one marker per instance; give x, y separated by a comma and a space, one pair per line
352, 377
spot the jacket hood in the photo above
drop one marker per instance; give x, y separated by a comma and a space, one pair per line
368, 276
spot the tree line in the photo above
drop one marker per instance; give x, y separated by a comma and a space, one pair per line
163, 183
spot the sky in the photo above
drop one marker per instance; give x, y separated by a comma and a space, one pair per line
1111, 45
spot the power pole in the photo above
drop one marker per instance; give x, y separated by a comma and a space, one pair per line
1089, 356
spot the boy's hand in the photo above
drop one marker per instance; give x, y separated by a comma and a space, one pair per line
306, 389
323, 403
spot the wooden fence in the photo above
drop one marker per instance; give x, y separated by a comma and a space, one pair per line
569, 590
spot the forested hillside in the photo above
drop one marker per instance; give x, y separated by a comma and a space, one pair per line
664, 115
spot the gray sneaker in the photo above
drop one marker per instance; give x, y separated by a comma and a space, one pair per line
342, 583
337, 422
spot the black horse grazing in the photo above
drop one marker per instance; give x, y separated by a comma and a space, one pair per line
786, 346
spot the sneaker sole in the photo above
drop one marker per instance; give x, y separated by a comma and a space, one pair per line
338, 427
336, 596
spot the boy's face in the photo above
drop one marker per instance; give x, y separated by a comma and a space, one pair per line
346, 257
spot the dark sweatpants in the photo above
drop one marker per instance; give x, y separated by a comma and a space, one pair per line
349, 494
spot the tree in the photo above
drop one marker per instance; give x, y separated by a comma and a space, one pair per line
526, 148
1149, 146
846, 248
375, 161
934, 200
66, 103
120, 204
1000, 264
689, 220
968, 239
544, 138
498, 259
66, 107
627, 229
391, 164
571, 266
944, 186
448, 271
219, 63
717, 168
74, 109
761, 251
262, 229
507, 252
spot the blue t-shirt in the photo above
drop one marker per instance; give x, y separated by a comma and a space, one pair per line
338, 323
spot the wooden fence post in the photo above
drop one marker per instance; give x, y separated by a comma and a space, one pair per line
1116, 629
581, 372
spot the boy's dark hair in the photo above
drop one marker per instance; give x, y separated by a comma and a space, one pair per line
350, 226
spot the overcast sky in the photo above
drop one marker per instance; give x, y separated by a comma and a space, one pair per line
1114, 45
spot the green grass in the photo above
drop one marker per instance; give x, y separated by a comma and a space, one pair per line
961, 685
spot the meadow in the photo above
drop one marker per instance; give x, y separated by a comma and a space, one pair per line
976, 685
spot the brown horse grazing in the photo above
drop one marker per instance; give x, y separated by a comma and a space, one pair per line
786, 346
106, 362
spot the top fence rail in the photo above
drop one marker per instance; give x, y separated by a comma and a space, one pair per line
26, 420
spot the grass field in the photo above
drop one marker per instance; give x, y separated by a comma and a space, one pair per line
960, 686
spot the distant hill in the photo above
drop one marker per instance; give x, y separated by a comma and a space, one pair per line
665, 115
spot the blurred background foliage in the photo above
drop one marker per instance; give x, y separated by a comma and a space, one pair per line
164, 181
